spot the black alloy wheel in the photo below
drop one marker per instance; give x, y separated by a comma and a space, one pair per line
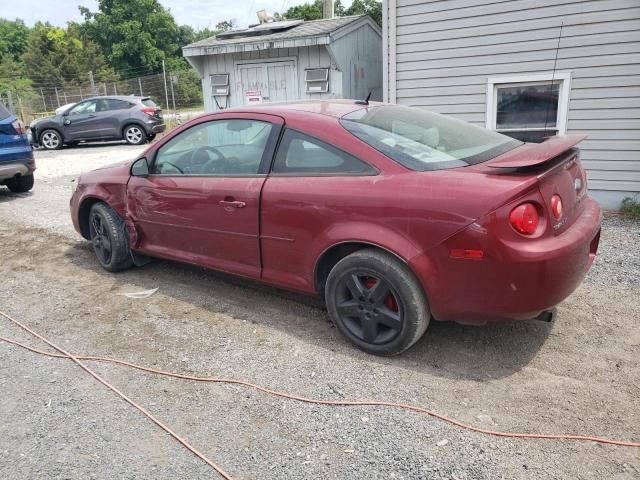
108, 237
100, 238
369, 308
377, 302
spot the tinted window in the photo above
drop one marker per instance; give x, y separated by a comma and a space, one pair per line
221, 147
423, 140
301, 154
147, 102
84, 107
113, 104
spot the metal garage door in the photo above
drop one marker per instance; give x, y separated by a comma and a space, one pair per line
273, 81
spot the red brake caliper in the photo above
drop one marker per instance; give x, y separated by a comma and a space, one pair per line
390, 301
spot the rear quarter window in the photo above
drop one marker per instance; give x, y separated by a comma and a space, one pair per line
421, 140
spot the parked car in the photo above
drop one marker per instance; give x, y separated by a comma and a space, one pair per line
16, 156
394, 215
136, 120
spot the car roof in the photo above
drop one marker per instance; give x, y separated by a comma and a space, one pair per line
115, 97
333, 108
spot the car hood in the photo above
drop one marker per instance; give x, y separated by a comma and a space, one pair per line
44, 119
114, 173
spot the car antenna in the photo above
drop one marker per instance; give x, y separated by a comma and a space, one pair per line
365, 101
553, 77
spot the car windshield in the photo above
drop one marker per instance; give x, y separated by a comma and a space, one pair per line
423, 140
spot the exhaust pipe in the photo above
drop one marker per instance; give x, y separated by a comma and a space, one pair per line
547, 316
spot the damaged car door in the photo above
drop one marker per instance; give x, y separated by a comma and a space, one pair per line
199, 201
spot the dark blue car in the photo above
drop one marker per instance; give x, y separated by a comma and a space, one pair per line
16, 156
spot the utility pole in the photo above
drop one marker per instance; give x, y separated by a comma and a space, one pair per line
140, 85
166, 92
93, 85
104, 84
65, 97
115, 89
44, 103
57, 96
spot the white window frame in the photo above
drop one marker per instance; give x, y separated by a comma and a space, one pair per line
562, 78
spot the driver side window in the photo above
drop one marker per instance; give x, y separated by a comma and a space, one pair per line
218, 147
84, 107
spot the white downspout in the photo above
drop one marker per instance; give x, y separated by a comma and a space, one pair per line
391, 53
385, 51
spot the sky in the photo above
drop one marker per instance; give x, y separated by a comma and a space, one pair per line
197, 13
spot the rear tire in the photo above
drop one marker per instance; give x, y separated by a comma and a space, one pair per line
51, 139
134, 135
109, 238
377, 302
20, 184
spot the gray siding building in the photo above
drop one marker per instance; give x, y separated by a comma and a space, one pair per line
492, 63
337, 57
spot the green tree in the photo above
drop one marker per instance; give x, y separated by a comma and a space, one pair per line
224, 25
57, 56
373, 8
306, 11
134, 34
313, 11
13, 38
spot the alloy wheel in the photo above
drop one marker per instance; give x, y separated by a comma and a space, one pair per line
134, 135
50, 140
369, 307
100, 238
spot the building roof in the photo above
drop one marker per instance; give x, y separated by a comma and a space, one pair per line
293, 34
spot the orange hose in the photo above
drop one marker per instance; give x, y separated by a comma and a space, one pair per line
381, 403
76, 359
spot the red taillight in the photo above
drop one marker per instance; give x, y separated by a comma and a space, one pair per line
18, 127
524, 218
149, 110
556, 206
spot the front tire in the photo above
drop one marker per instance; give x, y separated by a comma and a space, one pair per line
51, 139
109, 238
376, 302
134, 135
20, 184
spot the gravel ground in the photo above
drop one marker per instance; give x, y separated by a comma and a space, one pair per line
579, 375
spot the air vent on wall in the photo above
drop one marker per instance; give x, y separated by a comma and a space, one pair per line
316, 80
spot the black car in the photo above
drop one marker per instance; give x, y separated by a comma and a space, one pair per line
134, 119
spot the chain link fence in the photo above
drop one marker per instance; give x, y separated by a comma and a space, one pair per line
179, 94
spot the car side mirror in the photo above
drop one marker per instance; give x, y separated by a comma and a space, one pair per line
140, 168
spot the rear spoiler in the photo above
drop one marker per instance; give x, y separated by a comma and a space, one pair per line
531, 154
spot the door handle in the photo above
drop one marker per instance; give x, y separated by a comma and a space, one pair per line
92, 116
232, 204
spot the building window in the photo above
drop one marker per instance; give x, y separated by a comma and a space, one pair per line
529, 108
316, 80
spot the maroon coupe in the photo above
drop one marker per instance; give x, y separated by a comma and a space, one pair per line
394, 215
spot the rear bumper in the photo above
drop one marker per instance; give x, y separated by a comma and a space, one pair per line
158, 128
513, 280
11, 169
